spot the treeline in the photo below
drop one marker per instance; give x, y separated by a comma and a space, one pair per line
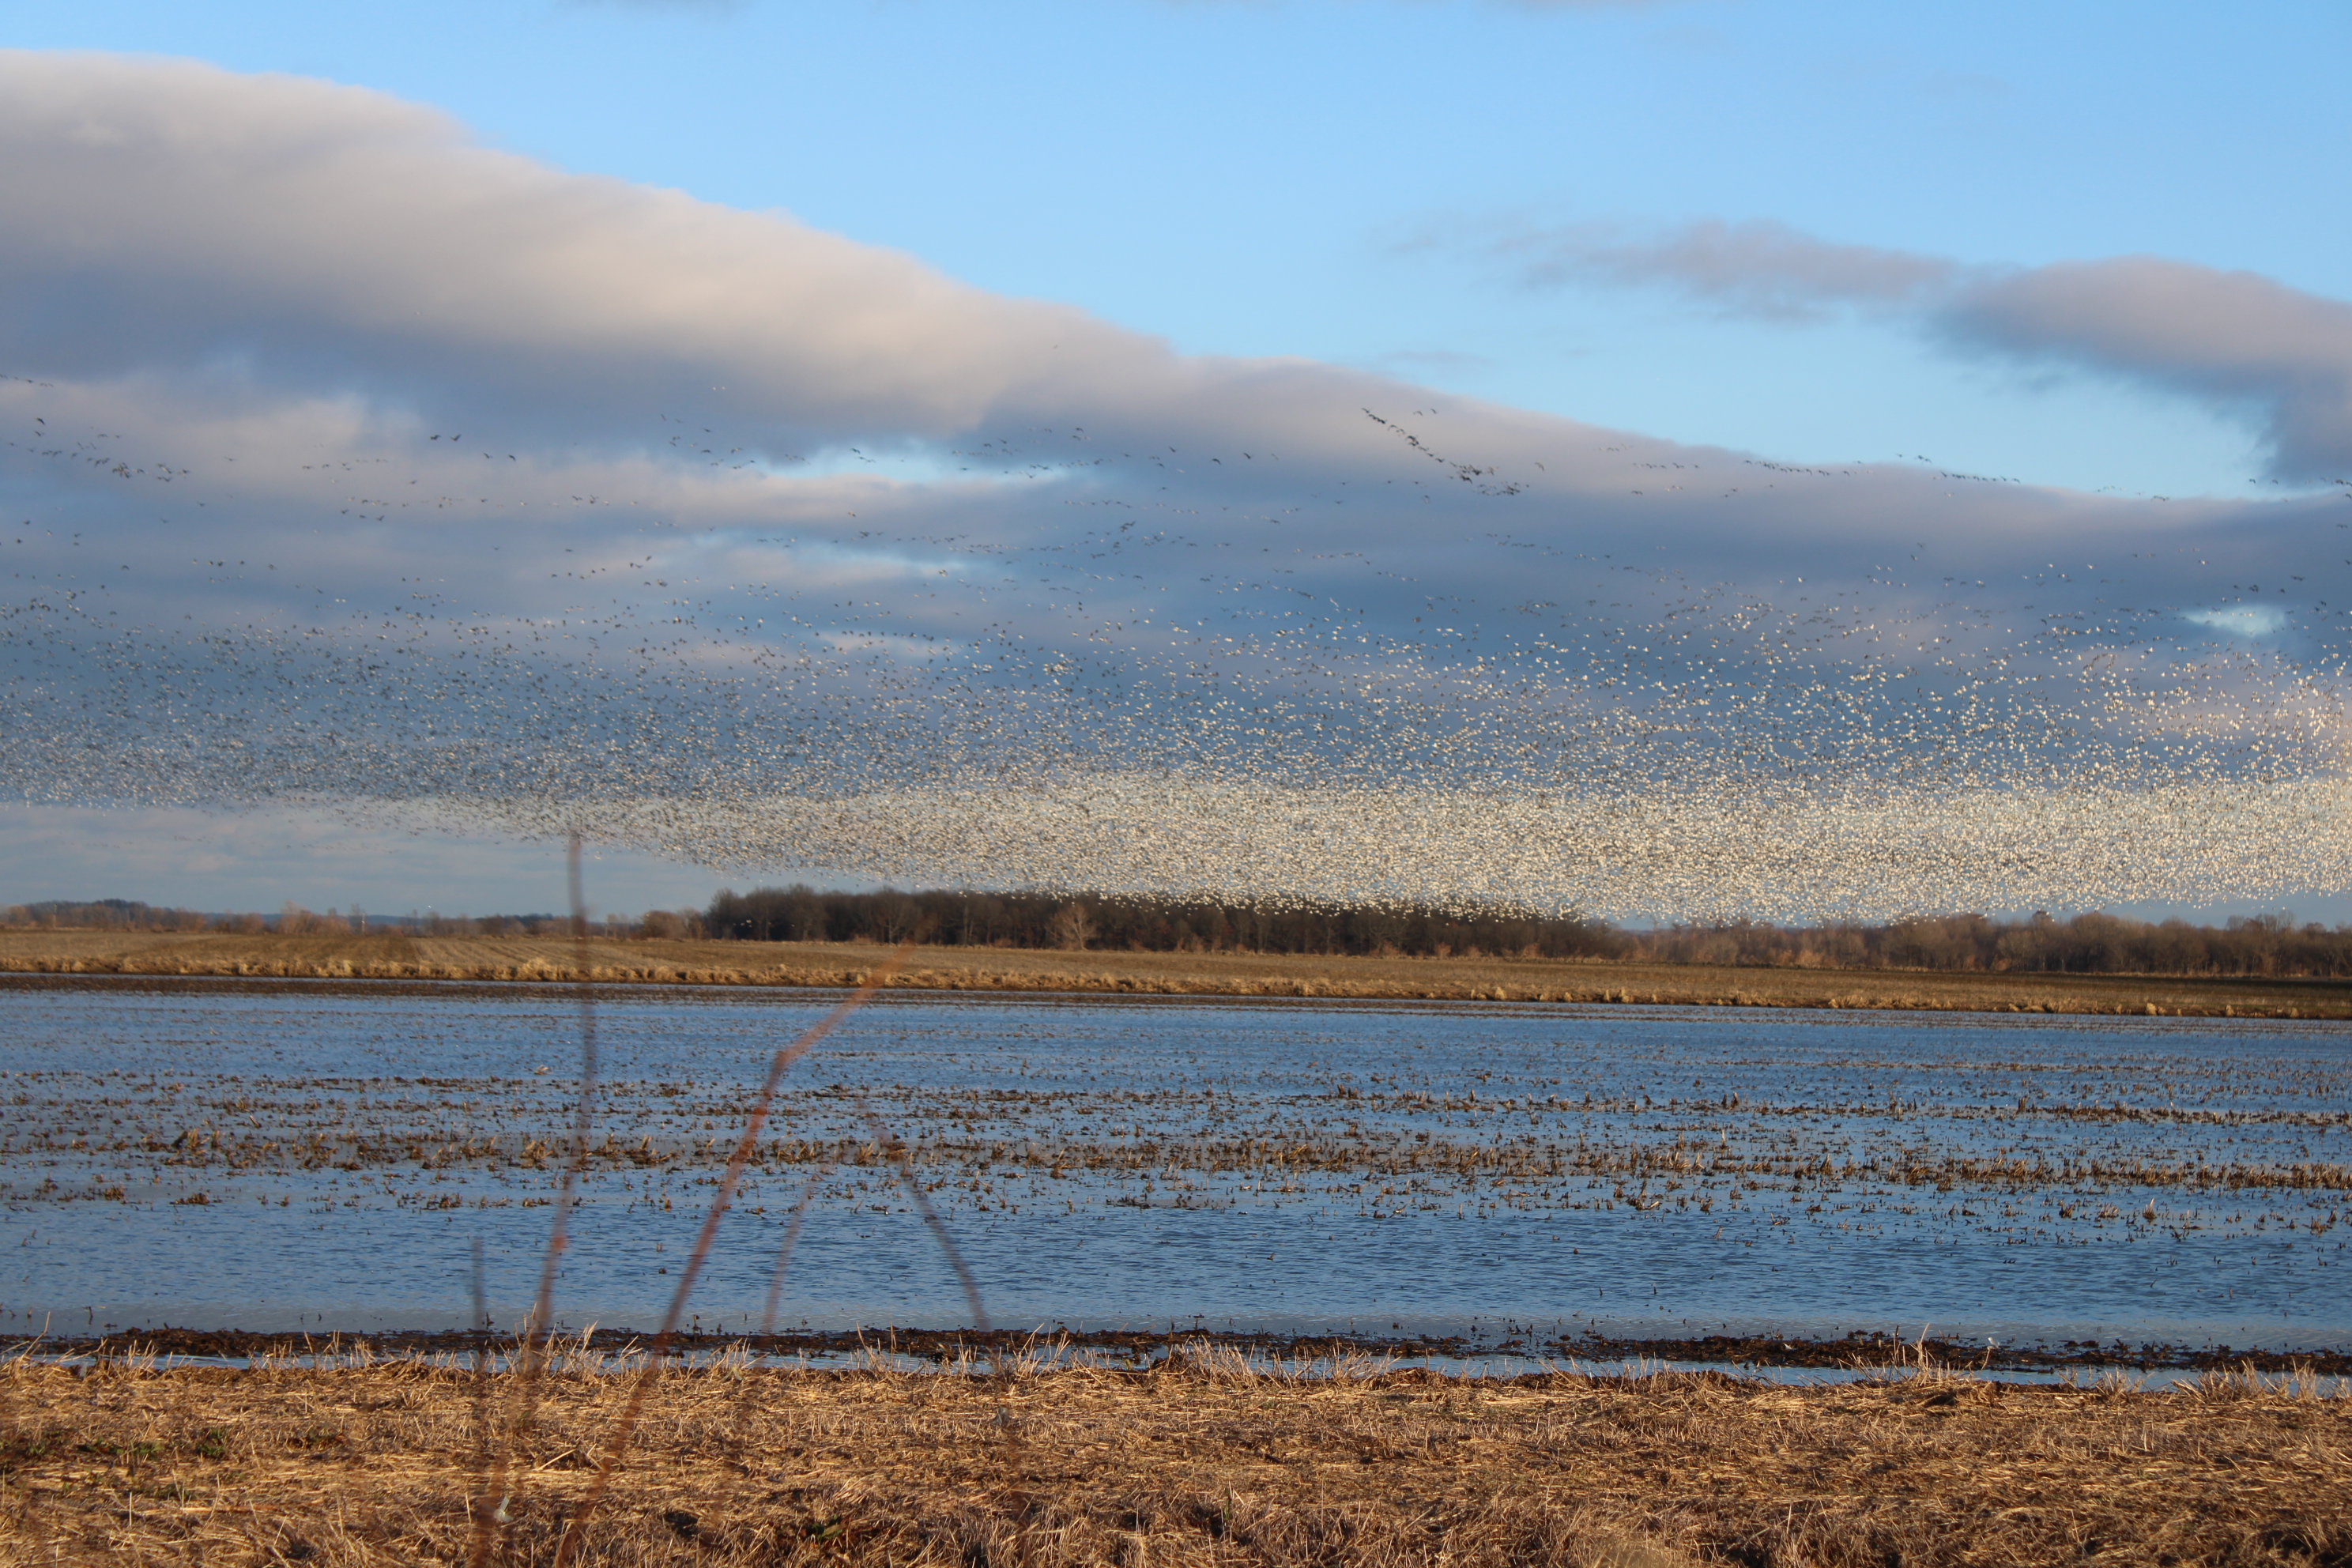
114, 914
2093, 943
293, 919
2272, 944
1147, 925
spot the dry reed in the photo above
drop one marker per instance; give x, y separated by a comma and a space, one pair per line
555, 960
746, 1144
1211, 1459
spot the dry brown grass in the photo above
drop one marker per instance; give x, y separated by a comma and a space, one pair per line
547, 959
1206, 1461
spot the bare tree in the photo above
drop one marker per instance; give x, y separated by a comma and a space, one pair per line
1073, 927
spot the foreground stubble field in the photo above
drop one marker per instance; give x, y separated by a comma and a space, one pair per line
1201, 1460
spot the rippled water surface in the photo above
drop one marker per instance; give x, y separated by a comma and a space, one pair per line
225, 1155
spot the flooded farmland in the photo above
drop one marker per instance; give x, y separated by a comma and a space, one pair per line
318, 1155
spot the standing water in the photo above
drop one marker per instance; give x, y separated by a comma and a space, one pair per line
325, 1155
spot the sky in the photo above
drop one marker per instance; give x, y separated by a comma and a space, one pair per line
1382, 185
2002, 286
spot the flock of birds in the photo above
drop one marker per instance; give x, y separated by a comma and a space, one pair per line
1051, 662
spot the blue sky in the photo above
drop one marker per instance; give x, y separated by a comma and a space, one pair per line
1979, 321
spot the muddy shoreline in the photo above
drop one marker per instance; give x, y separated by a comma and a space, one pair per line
1857, 1351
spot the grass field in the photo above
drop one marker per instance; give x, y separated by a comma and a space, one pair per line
398, 957
1204, 1460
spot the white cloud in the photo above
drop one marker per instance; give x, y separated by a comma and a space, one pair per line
342, 230
1758, 269
2241, 621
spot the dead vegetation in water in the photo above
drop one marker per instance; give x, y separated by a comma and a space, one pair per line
557, 959
1414, 1169
1209, 1459
2180, 1148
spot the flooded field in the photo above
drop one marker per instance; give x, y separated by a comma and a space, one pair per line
282, 1155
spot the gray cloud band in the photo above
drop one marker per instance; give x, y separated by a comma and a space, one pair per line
2236, 340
